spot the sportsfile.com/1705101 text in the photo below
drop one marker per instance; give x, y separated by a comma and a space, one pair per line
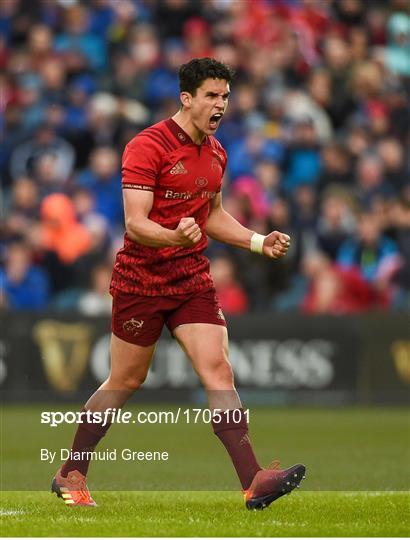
118, 416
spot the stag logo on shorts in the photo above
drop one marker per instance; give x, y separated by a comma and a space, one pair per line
201, 181
132, 326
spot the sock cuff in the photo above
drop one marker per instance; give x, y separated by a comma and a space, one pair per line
230, 421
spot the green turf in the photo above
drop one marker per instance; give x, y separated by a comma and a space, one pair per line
208, 514
358, 463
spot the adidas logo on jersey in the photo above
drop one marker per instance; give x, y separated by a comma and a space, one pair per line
178, 168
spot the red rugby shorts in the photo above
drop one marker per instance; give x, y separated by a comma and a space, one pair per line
140, 319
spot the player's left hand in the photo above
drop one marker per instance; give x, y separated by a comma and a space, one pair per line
276, 245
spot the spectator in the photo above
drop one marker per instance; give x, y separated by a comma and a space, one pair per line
75, 111
25, 286
375, 255
170, 16
101, 17
336, 222
279, 274
246, 153
23, 208
252, 201
303, 160
337, 63
301, 110
29, 100
392, 155
45, 141
25, 199
53, 75
268, 175
398, 50
241, 114
359, 45
320, 87
40, 44
400, 217
80, 47
97, 301
84, 204
45, 172
332, 289
367, 82
336, 167
358, 141
61, 232
162, 82
126, 80
305, 207
397, 103
98, 229
196, 34
103, 180
370, 180
144, 47
231, 295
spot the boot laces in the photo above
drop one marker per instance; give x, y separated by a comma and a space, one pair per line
274, 465
82, 491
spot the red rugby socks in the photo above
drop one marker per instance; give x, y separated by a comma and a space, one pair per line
87, 436
234, 436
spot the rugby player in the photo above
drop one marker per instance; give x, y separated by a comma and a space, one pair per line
171, 178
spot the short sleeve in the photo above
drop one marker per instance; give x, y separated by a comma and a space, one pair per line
141, 164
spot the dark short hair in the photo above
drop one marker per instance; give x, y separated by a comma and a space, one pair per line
196, 71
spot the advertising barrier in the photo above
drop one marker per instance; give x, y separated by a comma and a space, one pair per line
276, 358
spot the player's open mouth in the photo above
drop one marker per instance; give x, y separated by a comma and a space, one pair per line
214, 120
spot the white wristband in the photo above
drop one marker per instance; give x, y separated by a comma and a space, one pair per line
257, 243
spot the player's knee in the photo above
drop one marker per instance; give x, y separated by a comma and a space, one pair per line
130, 382
219, 374
134, 382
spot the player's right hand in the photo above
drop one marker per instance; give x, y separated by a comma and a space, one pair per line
188, 232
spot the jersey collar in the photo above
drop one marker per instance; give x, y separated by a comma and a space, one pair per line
181, 135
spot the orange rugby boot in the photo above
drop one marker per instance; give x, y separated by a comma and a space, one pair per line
73, 489
271, 483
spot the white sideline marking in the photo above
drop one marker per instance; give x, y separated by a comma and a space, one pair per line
11, 512
370, 493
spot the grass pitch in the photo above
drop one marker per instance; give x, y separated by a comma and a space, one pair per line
208, 514
358, 465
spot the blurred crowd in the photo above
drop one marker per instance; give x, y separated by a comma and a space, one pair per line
317, 134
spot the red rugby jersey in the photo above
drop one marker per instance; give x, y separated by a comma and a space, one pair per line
184, 178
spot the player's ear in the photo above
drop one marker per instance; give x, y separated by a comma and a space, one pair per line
186, 99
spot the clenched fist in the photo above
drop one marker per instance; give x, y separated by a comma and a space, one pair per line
276, 245
188, 232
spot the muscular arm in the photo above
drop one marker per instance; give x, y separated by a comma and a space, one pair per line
225, 228
141, 229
